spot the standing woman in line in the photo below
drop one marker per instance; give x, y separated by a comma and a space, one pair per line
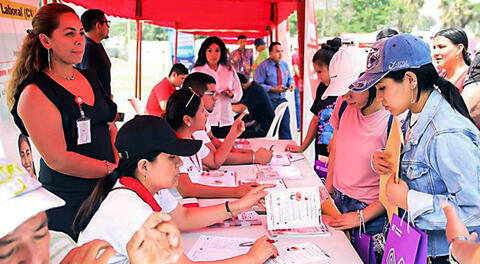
65, 111
450, 51
441, 157
319, 129
212, 60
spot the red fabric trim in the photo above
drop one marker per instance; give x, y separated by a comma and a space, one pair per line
141, 191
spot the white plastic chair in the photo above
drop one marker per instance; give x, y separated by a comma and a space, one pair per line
275, 126
137, 105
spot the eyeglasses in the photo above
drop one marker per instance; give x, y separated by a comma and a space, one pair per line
105, 22
191, 97
212, 93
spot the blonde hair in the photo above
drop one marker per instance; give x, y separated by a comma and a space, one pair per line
32, 56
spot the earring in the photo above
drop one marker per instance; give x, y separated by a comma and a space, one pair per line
412, 100
189, 125
145, 176
49, 60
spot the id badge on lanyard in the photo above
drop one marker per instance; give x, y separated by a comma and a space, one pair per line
83, 125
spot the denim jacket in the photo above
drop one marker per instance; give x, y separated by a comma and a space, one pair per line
441, 161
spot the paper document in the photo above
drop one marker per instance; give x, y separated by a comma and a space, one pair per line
293, 208
211, 248
280, 159
216, 178
277, 171
279, 183
393, 146
301, 253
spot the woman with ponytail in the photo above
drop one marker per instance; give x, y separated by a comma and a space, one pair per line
319, 129
149, 165
441, 156
65, 111
450, 52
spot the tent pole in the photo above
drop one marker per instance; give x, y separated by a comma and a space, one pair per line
176, 43
301, 10
138, 61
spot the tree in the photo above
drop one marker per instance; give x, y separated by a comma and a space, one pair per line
459, 13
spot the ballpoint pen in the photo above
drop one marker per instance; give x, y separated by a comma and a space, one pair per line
250, 243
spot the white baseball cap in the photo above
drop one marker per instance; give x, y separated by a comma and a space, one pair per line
21, 197
345, 67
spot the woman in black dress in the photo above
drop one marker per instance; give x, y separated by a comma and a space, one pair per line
65, 111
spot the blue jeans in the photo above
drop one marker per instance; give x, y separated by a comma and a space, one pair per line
284, 132
297, 106
346, 204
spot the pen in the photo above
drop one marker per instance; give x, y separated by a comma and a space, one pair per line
250, 243
271, 147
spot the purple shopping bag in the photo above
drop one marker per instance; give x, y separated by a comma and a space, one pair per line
363, 244
321, 168
405, 243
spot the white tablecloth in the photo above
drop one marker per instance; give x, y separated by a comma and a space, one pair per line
336, 245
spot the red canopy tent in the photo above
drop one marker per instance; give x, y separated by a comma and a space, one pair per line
223, 18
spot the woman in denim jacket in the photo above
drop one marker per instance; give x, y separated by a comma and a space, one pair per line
441, 156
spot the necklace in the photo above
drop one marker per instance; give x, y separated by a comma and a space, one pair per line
71, 78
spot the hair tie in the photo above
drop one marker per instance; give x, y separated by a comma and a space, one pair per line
29, 31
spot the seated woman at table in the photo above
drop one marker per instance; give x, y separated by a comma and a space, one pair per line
224, 152
358, 120
149, 164
186, 114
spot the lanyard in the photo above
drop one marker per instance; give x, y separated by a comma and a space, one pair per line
137, 187
79, 102
199, 167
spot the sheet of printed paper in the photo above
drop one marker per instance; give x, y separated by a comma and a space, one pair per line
279, 184
302, 253
248, 216
293, 208
393, 146
280, 159
277, 171
211, 248
216, 178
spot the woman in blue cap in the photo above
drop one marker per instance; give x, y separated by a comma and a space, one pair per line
441, 156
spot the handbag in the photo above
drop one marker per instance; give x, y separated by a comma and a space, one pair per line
363, 243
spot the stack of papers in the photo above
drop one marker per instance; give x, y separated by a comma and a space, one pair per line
280, 159
221, 178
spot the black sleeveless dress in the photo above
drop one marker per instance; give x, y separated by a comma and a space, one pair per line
72, 189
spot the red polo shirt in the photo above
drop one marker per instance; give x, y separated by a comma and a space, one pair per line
161, 92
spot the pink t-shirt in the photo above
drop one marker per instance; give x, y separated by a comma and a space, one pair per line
357, 137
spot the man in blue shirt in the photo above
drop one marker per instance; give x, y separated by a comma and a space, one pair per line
274, 76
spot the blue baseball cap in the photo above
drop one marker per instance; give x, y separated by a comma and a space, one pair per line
258, 42
399, 52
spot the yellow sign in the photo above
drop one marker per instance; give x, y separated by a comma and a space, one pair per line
16, 10
393, 146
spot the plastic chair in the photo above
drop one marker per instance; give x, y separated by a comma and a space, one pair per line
275, 126
137, 105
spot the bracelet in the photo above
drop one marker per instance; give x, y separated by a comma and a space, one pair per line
451, 258
228, 210
109, 170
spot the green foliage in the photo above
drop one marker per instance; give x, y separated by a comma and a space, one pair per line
460, 13
150, 32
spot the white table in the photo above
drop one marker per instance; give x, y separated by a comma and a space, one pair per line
336, 245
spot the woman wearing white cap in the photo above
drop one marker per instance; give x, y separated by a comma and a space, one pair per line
25, 238
149, 164
360, 127
441, 157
